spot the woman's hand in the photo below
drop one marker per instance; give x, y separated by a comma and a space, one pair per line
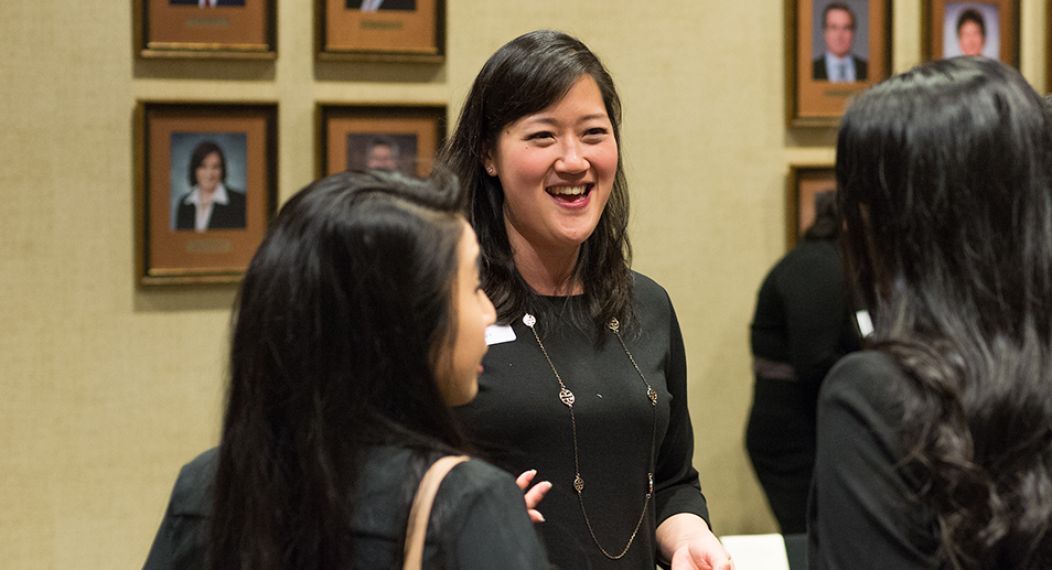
688, 544
533, 494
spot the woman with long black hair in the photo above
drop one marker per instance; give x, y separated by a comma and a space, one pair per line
359, 322
586, 377
935, 445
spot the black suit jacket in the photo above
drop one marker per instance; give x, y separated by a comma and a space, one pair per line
477, 520
387, 5
183, 537
224, 216
195, 2
820, 73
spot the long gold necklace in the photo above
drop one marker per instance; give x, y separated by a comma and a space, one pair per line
567, 398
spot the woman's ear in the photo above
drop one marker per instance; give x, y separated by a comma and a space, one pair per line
488, 164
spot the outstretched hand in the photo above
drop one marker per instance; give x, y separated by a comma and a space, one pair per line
688, 544
533, 495
702, 554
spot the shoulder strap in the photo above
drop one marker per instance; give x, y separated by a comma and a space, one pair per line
420, 512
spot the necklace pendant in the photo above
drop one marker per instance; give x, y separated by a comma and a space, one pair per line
529, 320
567, 397
578, 483
650, 484
652, 394
614, 325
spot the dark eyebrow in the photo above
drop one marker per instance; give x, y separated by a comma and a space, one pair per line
594, 116
551, 121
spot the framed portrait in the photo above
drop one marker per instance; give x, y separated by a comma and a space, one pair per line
405, 137
989, 28
226, 29
381, 30
207, 179
834, 49
805, 182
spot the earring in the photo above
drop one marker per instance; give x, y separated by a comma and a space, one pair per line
491, 171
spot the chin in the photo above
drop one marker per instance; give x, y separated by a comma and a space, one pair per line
577, 238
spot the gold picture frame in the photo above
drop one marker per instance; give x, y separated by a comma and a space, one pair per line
803, 183
178, 146
815, 96
214, 29
386, 136
381, 30
943, 20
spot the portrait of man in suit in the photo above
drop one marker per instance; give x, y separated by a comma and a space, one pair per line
207, 197
206, 3
837, 63
392, 151
382, 154
377, 5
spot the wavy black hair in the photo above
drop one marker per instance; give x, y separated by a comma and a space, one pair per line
945, 185
526, 75
335, 335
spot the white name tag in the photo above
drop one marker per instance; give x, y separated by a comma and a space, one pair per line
865, 324
496, 334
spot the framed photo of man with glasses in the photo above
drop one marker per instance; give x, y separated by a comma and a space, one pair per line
835, 48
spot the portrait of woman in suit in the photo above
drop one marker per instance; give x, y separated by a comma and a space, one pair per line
971, 28
376, 5
206, 3
210, 204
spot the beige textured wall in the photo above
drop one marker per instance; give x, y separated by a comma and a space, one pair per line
106, 389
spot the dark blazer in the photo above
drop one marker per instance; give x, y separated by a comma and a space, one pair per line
195, 2
819, 72
182, 539
224, 216
478, 519
387, 5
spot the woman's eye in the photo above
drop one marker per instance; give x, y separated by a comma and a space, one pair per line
540, 135
595, 132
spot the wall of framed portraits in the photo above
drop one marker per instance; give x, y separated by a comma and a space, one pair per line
108, 386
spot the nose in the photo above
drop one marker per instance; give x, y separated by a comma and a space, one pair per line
489, 312
572, 159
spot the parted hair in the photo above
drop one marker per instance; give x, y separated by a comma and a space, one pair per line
336, 329
837, 6
200, 152
525, 76
974, 16
945, 185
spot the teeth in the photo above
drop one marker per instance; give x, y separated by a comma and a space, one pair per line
567, 190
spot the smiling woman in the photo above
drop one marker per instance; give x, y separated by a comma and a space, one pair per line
585, 379
558, 168
210, 204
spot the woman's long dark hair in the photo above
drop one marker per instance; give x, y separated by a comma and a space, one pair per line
525, 76
945, 177
336, 325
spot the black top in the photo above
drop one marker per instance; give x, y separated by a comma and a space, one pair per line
802, 313
519, 420
478, 516
801, 327
224, 216
862, 513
